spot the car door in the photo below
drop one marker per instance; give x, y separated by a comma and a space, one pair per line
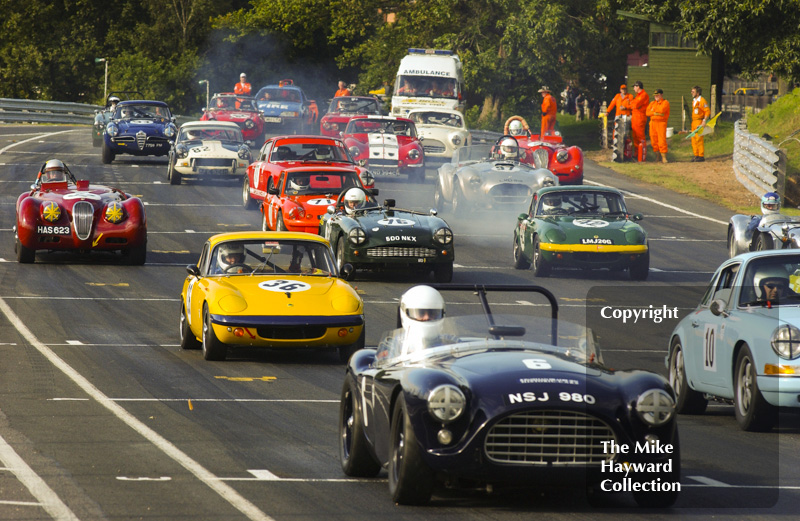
526, 227
196, 292
710, 345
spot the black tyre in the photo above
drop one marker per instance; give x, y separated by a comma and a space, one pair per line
764, 242
443, 272
520, 262
459, 203
753, 412
107, 155
188, 340
213, 349
354, 454
173, 175
264, 224
539, 265
640, 268
340, 257
731, 243
662, 499
438, 199
137, 255
24, 255
247, 202
411, 481
345, 352
688, 400
280, 226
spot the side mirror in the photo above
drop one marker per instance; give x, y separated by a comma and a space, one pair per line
522, 217
421, 139
717, 308
272, 190
374, 191
193, 270
331, 210
341, 133
347, 271
389, 203
433, 212
637, 217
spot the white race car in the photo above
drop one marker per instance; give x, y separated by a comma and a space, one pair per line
442, 132
208, 148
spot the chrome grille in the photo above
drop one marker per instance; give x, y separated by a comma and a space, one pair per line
433, 146
510, 193
82, 218
400, 251
559, 438
540, 158
383, 162
141, 139
205, 162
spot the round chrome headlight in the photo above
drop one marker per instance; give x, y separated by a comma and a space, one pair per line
446, 403
181, 150
456, 139
357, 236
475, 182
367, 178
785, 341
112, 130
655, 407
413, 154
249, 124
354, 151
562, 156
548, 181
115, 212
244, 152
51, 212
170, 130
443, 236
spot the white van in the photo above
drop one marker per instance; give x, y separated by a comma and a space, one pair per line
428, 78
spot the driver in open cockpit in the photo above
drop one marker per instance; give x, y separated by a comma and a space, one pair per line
230, 258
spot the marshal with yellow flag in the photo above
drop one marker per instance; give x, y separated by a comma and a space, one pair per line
707, 129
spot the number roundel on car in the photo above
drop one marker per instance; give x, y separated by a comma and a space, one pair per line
321, 202
393, 221
82, 195
590, 223
284, 285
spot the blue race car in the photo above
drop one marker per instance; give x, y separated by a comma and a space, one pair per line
286, 109
139, 128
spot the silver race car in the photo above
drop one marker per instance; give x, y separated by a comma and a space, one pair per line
489, 177
768, 232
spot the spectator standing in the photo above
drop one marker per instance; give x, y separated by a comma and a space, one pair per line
343, 90
549, 110
658, 111
700, 115
638, 107
242, 88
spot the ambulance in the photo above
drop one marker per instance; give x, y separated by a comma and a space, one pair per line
428, 78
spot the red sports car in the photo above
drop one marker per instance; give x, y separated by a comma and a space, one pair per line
549, 152
242, 110
303, 194
62, 213
386, 146
282, 152
343, 108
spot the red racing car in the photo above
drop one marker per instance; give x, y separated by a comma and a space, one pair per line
282, 152
386, 145
62, 213
242, 110
549, 152
302, 196
343, 108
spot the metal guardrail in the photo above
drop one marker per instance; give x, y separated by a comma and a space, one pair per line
758, 164
33, 111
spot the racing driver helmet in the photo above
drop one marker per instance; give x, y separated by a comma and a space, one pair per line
421, 312
112, 102
353, 200
299, 182
551, 204
515, 128
509, 148
771, 273
54, 171
229, 255
770, 203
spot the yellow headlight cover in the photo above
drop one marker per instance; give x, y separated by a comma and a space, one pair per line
232, 304
115, 213
51, 211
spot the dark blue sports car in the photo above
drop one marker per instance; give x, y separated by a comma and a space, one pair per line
139, 128
494, 401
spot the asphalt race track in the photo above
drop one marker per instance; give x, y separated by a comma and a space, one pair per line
104, 416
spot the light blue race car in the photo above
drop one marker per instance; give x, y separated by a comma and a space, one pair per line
742, 343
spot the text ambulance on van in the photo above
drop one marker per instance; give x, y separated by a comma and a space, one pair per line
428, 78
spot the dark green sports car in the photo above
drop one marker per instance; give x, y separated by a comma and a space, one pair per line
381, 236
582, 227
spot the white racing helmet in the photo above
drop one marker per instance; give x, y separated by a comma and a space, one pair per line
422, 310
229, 249
770, 203
113, 100
299, 182
515, 128
769, 273
509, 148
551, 204
354, 199
54, 171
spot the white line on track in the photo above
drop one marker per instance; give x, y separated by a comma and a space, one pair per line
665, 205
38, 136
201, 473
48, 499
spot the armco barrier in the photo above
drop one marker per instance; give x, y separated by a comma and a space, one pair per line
758, 164
31, 111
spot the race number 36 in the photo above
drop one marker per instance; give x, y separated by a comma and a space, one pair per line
710, 348
284, 286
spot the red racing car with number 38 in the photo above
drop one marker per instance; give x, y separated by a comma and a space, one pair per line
62, 213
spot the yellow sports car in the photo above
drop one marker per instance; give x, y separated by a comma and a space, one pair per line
269, 289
